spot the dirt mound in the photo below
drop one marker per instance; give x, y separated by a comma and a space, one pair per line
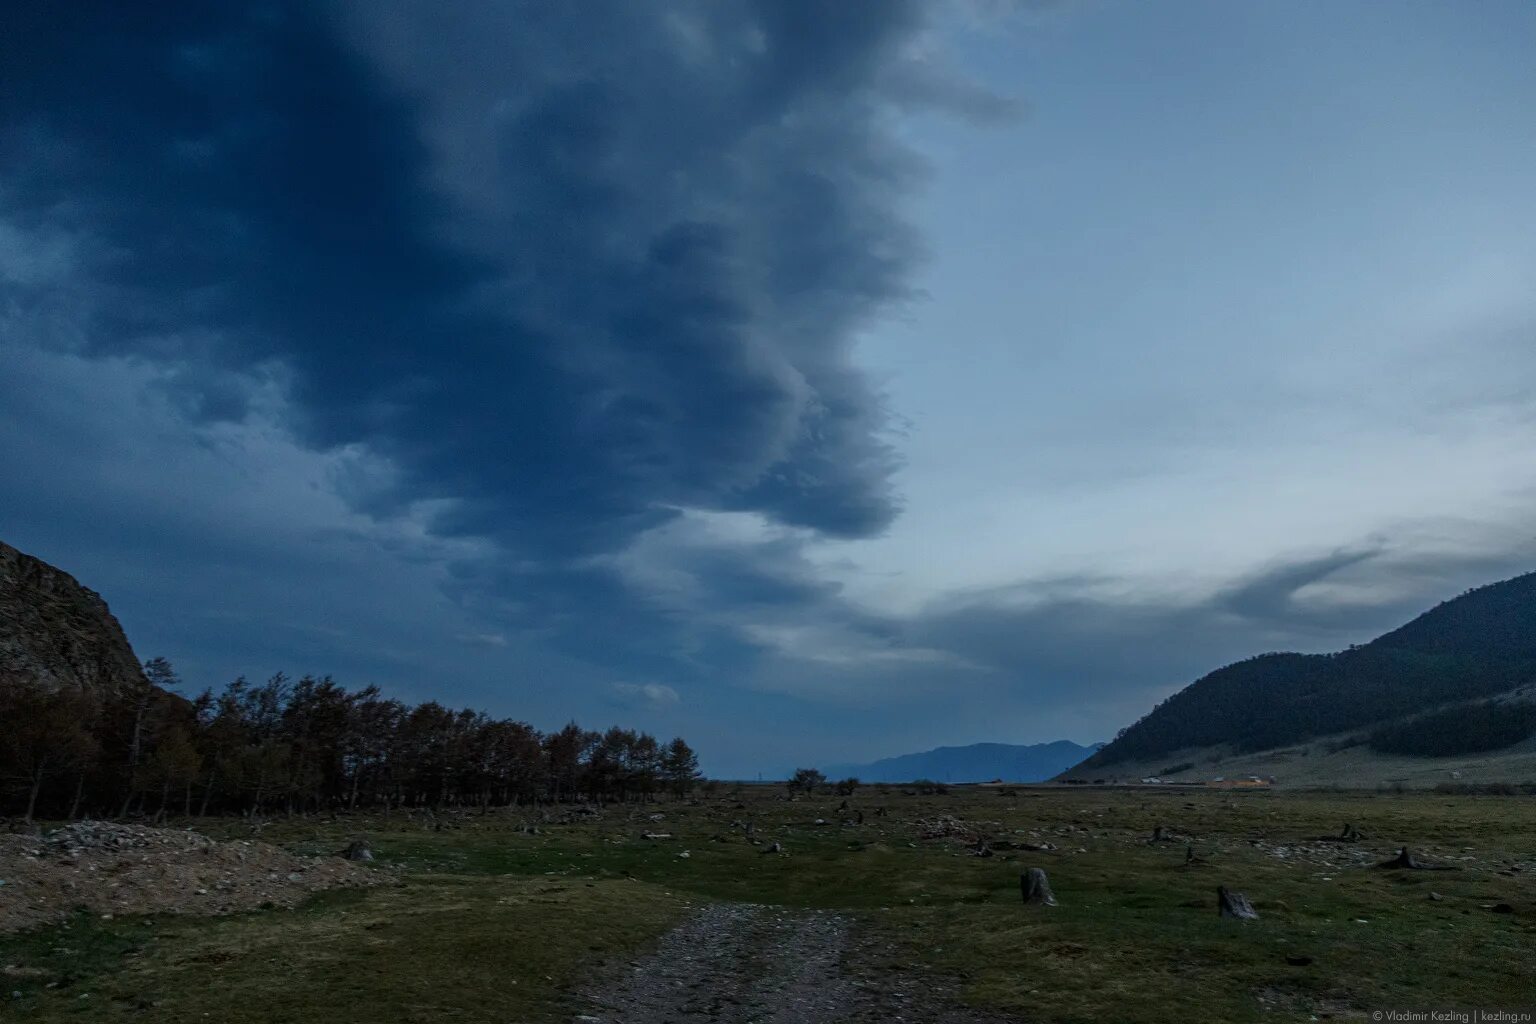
131, 869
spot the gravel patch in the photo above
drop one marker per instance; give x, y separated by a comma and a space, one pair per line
737, 963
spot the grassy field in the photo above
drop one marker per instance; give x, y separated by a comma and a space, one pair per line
493, 922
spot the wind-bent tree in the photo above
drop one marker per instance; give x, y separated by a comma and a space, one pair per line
806, 780
680, 767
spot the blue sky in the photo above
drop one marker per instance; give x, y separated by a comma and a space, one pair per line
820, 382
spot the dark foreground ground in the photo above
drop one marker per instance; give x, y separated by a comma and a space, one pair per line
537, 916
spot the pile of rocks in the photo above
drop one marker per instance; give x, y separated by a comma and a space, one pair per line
1320, 853
109, 868
947, 826
76, 838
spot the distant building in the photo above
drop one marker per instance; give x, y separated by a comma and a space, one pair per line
1251, 782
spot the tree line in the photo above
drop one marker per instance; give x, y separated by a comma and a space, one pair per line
287, 746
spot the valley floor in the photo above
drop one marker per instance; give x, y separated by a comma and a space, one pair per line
684, 910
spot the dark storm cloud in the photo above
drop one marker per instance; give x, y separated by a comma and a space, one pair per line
1271, 596
1068, 637
564, 268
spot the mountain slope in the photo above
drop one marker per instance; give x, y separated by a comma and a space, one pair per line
55, 633
1478, 645
979, 762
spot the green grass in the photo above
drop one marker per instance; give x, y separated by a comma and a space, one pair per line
448, 948
496, 924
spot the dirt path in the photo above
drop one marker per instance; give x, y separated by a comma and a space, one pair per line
739, 963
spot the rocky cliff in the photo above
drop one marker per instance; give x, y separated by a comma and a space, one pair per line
57, 633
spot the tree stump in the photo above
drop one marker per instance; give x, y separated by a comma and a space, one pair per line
1234, 904
1036, 889
357, 849
1406, 861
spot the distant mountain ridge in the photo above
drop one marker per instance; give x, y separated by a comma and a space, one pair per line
1428, 688
978, 762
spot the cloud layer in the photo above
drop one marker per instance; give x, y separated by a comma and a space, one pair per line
512, 348
563, 286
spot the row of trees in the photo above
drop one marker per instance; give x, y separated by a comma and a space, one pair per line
300, 746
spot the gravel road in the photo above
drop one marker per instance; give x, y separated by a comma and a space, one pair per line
738, 963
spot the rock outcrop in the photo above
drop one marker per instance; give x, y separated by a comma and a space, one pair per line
56, 633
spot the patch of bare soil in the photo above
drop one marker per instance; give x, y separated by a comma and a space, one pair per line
747, 964
109, 868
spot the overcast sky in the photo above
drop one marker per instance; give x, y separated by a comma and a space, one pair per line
817, 381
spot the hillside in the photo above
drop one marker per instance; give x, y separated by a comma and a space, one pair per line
1460, 653
57, 634
1333, 762
979, 762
